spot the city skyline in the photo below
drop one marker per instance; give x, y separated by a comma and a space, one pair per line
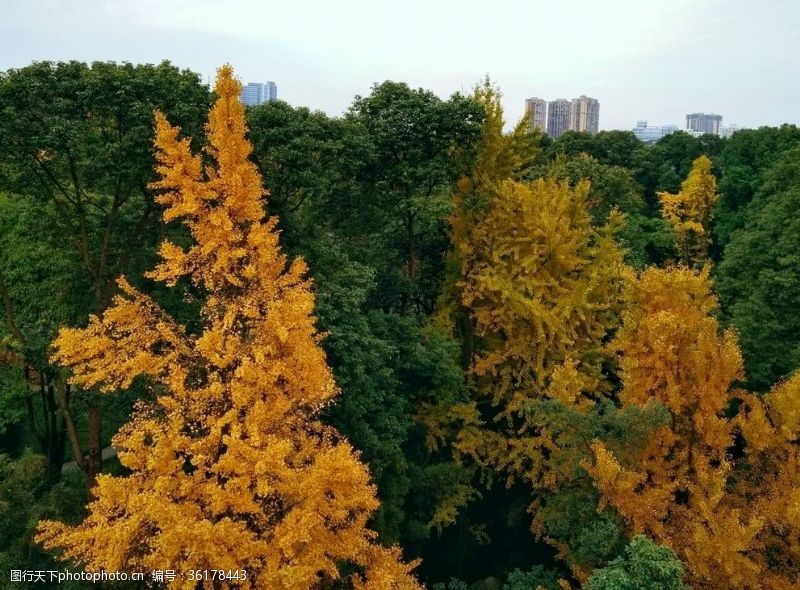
557, 116
728, 56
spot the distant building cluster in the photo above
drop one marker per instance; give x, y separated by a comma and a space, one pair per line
256, 93
697, 124
560, 115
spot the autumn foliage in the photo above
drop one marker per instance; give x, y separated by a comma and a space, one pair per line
535, 287
230, 467
541, 289
730, 514
691, 211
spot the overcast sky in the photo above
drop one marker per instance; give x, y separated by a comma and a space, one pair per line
642, 59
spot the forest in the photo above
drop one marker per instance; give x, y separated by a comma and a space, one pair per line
415, 345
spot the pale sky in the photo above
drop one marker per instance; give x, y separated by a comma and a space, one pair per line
642, 59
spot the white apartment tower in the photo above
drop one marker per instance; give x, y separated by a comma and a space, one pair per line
585, 114
558, 117
536, 113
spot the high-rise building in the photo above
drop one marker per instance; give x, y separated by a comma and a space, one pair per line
558, 117
256, 93
585, 114
272, 90
703, 123
652, 133
536, 112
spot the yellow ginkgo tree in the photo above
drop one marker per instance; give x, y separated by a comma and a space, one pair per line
230, 467
691, 211
541, 287
722, 492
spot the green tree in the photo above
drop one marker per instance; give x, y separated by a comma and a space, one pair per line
387, 365
77, 139
744, 163
420, 145
611, 186
26, 495
537, 578
385, 362
39, 289
612, 148
643, 566
315, 166
758, 278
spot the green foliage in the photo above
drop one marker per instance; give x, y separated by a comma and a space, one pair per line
372, 410
13, 390
79, 138
453, 584
758, 278
94, 121
566, 511
312, 164
45, 286
349, 191
385, 365
646, 240
25, 498
744, 161
644, 566
612, 187
420, 145
42, 277
534, 579
612, 148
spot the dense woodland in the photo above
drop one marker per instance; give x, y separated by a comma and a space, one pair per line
395, 348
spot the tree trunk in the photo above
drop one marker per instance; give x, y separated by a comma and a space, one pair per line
61, 392
94, 462
56, 436
412, 248
466, 331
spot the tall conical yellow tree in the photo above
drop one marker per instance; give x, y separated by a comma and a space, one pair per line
691, 211
230, 467
542, 288
733, 520
499, 157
